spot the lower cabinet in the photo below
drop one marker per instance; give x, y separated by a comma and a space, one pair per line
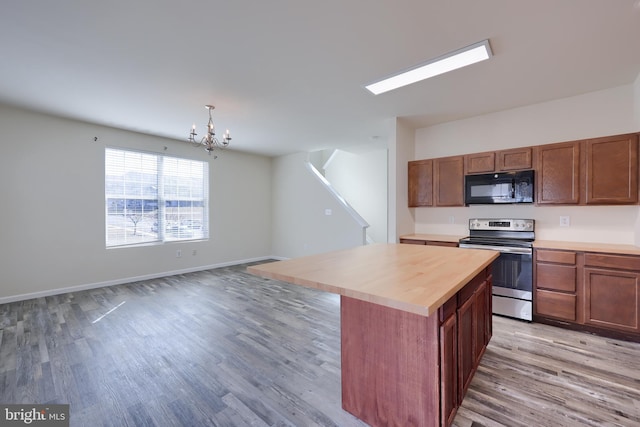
464, 335
411, 241
612, 292
596, 292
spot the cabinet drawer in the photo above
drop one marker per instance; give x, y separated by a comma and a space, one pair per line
555, 304
556, 277
562, 257
448, 309
612, 261
472, 287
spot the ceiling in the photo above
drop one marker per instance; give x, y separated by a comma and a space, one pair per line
288, 75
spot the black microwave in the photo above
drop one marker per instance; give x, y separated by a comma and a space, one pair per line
500, 187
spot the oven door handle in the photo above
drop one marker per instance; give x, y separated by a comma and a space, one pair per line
509, 250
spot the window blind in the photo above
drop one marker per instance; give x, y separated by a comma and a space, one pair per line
154, 198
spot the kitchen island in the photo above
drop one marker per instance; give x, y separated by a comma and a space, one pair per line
415, 321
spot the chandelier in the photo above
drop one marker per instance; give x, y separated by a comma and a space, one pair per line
209, 141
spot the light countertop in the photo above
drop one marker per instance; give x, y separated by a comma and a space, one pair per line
588, 247
413, 278
611, 248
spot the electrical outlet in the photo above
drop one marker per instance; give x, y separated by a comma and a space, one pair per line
178, 253
194, 252
452, 219
565, 221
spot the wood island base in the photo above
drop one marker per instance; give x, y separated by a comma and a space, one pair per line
404, 369
389, 363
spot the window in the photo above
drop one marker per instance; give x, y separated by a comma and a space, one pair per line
154, 198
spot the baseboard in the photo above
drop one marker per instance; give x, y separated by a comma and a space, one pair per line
121, 281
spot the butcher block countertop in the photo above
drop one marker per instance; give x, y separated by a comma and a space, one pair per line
413, 278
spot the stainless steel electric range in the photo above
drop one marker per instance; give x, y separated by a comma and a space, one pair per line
512, 270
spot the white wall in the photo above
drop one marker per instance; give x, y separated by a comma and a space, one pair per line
300, 225
601, 113
52, 225
361, 178
401, 151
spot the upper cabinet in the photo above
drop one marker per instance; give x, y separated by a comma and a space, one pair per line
595, 171
499, 161
420, 183
558, 173
448, 175
515, 159
599, 171
612, 170
436, 182
480, 163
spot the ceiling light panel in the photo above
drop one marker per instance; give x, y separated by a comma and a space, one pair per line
476, 52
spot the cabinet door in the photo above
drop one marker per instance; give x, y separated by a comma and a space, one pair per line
612, 170
420, 183
515, 159
612, 299
466, 344
489, 296
558, 173
480, 321
449, 181
480, 162
448, 370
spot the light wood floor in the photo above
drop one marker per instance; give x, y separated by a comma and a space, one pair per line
224, 348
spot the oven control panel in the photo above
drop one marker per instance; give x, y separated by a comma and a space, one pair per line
501, 224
